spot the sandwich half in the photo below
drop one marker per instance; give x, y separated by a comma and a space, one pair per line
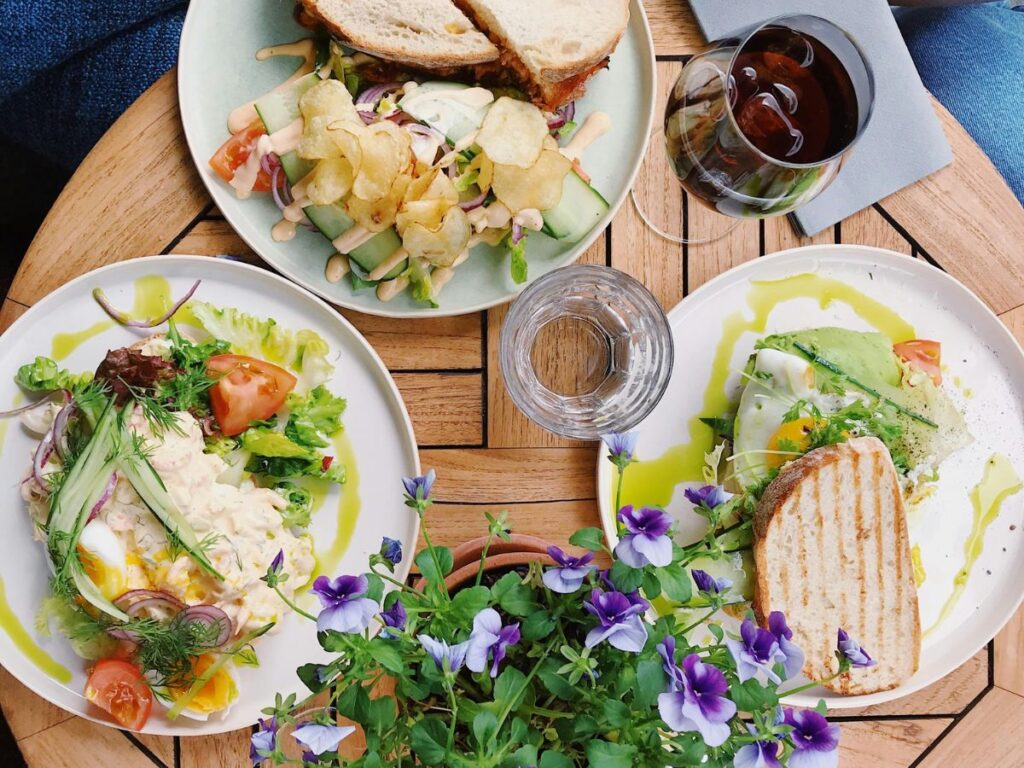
427, 34
832, 551
551, 48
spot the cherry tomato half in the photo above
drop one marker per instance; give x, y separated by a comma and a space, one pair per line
248, 390
924, 355
235, 151
119, 688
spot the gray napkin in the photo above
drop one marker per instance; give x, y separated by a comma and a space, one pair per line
902, 143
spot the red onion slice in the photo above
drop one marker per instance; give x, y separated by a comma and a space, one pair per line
517, 232
130, 598
43, 452
367, 116
372, 95
277, 190
269, 162
209, 616
60, 429
124, 319
476, 202
107, 493
33, 405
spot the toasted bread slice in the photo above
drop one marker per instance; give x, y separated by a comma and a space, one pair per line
431, 34
554, 47
831, 550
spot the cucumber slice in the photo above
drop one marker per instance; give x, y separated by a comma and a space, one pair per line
278, 110
577, 212
450, 117
333, 222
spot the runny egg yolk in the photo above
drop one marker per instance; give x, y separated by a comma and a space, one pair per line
791, 436
107, 575
219, 691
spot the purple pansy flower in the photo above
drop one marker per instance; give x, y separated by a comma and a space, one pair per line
620, 621
756, 649
621, 447
570, 573
707, 583
344, 607
667, 651
277, 564
709, 496
419, 488
264, 741
318, 739
647, 542
394, 618
701, 704
489, 639
391, 550
442, 653
794, 656
815, 740
760, 754
852, 651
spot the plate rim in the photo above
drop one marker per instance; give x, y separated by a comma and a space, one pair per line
380, 309
405, 422
867, 253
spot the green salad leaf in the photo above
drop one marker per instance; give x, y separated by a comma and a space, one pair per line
44, 375
300, 504
316, 414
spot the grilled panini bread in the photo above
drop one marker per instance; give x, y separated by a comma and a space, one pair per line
553, 48
831, 550
428, 34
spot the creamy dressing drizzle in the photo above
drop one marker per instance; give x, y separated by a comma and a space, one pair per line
280, 142
352, 238
594, 127
389, 263
242, 116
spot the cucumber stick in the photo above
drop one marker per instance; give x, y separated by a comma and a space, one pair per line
278, 110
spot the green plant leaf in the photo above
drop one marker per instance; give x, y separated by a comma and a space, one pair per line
588, 538
509, 689
584, 726
513, 596
518, 731
675, 581
555, 683
605, 754
651, 585
553, 759
381, 714
309, 674
485, 729
428, 739
428, 568
752, 696
615, 712
650, 681
354, 703
525, 755
374, 587
467, 603
625, 578
717, 631
387, 655
538, 625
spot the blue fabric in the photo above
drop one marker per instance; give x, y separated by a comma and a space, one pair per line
71, 67
972, 59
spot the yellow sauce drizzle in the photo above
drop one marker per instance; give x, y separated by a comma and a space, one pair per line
915, 558
65, 343
653, 482
348, 508
23, 642
998, 483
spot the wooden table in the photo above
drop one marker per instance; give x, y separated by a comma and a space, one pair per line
138, 193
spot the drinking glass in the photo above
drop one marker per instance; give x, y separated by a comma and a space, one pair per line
586, 350
758, 125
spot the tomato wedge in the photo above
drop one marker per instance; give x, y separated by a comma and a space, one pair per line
924, 355
248, 390
235, 151
119, 688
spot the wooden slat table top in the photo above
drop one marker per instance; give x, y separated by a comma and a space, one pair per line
138, 193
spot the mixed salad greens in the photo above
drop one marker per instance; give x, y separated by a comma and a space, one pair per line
406, 177
250, 400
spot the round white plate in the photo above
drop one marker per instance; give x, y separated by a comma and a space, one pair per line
376, 424
217, 71
977, 351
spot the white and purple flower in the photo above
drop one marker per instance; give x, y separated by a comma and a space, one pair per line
793, 660
449, 658
757, 649
760, 754
394, 619
621, 446
391, 550
667, 651
708, 496
700, 705
489, 639
850, 649
418, 488
318, 738
646, 542
344, 607
815, 740
619, 618
570, 573
707, 583
264, 741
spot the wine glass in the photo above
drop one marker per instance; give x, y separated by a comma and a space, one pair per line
758, 125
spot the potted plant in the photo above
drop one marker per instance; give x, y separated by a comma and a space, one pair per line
551, 662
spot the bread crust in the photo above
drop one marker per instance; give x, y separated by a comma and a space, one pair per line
768, 519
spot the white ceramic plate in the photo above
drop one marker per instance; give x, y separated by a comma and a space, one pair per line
376, 423
978, 353
217, 71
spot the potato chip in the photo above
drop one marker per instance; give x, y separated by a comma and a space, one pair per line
317, 141
485, 169
513, 133
345, 137
441, 247
429, 213
539, 186
328, 98
330, 180
378, 215
385, 155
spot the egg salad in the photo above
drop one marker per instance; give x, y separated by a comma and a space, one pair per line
164, 486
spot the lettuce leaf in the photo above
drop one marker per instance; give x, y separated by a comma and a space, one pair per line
44, 375
317, 414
